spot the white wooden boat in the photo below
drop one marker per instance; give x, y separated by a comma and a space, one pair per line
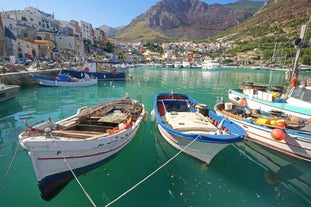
62, 150
288, 135
192, 128
8, 92
63, 80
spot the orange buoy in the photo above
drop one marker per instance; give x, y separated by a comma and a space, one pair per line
278, 134
309, 121
281, 123
293, 81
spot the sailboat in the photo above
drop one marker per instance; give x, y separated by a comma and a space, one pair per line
293, 99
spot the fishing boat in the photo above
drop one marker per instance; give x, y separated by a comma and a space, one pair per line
287, 134
190, 127
210, 64
63, 80
8, 92
292, 99
62, 150
101, 70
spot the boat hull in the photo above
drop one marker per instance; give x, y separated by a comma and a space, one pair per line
101, 76
8, 92
188, 130
54, 163
295, 144
44, 81
58, 159
203, 151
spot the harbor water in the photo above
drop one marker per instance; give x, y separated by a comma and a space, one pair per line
243, 174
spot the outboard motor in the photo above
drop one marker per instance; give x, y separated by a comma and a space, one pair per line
202, 108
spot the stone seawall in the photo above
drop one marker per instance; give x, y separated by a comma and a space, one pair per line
24, 79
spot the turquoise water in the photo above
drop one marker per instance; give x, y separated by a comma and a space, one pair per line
236, 177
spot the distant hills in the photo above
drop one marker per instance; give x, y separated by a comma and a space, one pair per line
277, 23
186, 19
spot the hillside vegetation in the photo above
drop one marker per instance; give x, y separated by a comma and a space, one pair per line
272, 29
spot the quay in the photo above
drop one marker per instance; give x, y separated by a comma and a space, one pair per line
24, 79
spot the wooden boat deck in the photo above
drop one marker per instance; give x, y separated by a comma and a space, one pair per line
77, 134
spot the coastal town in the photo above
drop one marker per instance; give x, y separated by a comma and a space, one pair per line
188, 104
33, 37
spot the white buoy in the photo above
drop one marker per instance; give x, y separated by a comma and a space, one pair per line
152, 116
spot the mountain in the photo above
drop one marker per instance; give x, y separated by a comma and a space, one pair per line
278, 21
110, 31
186, 19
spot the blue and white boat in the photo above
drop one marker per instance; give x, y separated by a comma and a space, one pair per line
63, 80
190, 127
296, 103
103, 71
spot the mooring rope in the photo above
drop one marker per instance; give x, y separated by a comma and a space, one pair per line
10, 166
159, 168
74, 175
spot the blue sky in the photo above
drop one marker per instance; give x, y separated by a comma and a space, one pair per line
113, 13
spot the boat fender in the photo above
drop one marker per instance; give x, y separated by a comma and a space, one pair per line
293, 81
243, 102
152, 116
278, 134
281, 123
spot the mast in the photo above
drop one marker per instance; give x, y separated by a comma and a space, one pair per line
299, 43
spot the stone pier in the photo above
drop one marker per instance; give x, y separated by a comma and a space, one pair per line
24, 79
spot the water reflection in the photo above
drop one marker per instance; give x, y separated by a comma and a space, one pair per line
280, 171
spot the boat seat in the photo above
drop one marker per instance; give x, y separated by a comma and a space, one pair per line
188, 121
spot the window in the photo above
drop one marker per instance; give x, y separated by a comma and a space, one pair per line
306, 95
297, 92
